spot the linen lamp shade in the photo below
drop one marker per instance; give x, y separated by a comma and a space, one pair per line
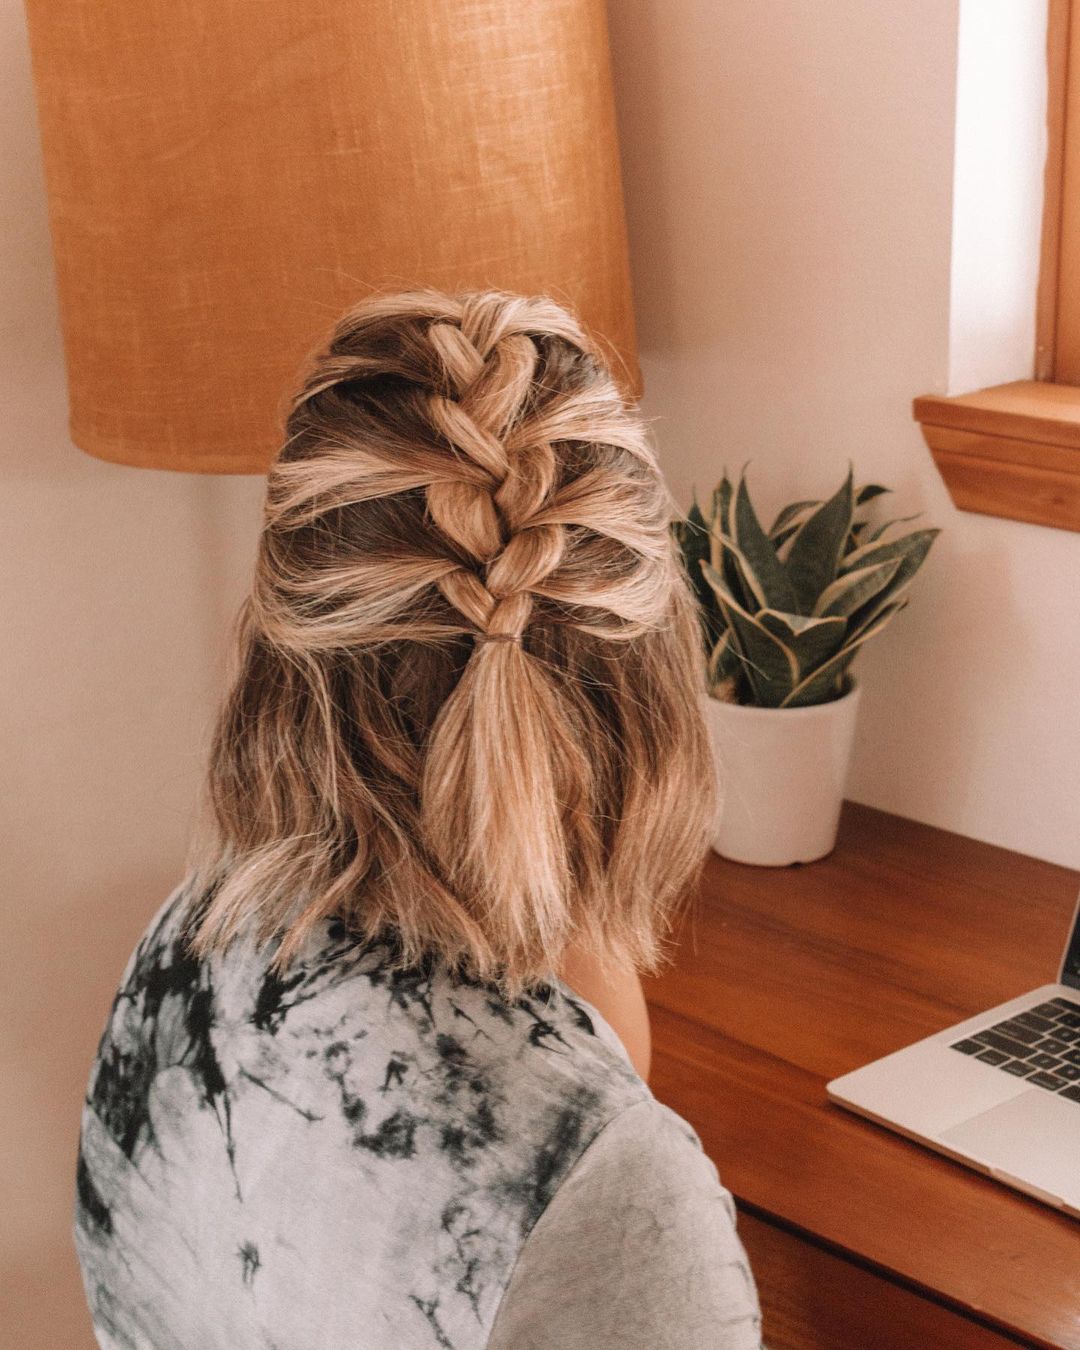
226, 177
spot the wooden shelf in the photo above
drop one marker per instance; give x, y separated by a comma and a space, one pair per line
1012, 450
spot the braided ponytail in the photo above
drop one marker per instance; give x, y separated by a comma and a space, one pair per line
466, 707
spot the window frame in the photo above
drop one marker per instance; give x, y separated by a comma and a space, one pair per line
1013, 450
1060, 34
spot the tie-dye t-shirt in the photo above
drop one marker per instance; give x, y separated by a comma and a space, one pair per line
349, 1156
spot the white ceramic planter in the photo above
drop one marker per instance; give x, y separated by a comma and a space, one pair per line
782, 773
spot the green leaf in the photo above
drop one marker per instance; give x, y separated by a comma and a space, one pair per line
770, 668
900, 520
811, 641
758, 556
819, 686
721, 528
788, 514
692, 535
866, 614
782, 536
739, 577
852, 589
723, 660
868, 492
910, 548
911, 558
855, 537
718, 519
817, 549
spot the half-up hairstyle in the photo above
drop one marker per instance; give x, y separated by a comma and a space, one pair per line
466, 710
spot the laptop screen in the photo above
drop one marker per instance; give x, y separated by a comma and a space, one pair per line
1070, 968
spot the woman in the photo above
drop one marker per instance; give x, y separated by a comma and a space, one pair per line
374, 1076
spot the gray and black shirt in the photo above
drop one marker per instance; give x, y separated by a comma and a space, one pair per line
350, 1157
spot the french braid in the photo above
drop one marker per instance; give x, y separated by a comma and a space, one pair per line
484, 652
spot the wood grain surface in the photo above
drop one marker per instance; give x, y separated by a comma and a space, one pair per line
816, 1300
787, 977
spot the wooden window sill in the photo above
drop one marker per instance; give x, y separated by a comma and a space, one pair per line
1012, 450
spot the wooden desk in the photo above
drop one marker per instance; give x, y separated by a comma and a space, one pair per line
788, 977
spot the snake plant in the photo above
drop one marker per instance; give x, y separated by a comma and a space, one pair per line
785, 611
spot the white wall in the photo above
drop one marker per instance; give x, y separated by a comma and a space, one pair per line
788, 172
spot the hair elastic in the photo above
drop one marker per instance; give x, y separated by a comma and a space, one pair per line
497, 637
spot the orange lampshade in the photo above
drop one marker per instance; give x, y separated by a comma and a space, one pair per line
225, 177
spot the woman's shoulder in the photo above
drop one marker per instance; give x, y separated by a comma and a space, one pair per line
441, 1118
447, 1060
639, 1247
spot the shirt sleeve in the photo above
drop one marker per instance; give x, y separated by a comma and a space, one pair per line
637, 1250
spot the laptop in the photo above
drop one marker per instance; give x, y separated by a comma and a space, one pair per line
999, 1092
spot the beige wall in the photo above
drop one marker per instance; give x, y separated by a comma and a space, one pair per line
788, 169
114, 585
788, 177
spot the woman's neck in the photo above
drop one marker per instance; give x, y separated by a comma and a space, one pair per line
618, 997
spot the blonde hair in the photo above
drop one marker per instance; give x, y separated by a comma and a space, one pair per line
466, 712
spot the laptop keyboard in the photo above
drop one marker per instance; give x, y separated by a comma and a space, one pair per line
1041, 1045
